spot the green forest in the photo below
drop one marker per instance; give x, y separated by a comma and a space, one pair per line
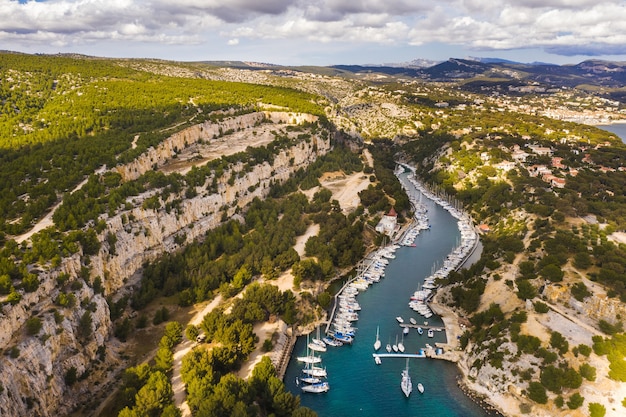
63, 118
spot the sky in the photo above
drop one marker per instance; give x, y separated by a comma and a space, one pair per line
319, 32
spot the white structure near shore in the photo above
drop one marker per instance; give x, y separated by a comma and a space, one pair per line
388, 223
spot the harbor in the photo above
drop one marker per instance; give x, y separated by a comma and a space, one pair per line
371, 270
357, 385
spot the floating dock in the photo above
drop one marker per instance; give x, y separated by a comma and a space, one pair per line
399, 355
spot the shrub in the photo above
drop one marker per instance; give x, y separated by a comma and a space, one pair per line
267, 345
580, 291
33, 325
584, 350
575, 401
71, 376
588, 372
558, 401
597, 410
541, 307
558, 342
537, 392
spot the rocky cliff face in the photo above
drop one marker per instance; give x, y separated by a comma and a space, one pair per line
38, 370
34, 370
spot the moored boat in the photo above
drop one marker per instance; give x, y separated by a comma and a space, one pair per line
377, 342
405, 384
420, 387
332, 342
316, 388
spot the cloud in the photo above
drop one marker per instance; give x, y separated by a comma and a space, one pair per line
557, 26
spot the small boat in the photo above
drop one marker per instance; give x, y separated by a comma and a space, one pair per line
317, 344
401, 345
400, 319
377, 342
420, 331
405, 330
316, 388
309, 380
406, 384
317, 347
388, 347
309, 359
431, 333
316, 371
332, 342
395, 345
413, 321
420, 388
377, 360
343, 338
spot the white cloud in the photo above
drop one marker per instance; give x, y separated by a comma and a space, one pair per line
560, 26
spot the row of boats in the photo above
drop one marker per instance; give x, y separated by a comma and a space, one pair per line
419, 300
314, 375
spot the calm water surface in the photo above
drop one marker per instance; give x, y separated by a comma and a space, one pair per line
618, 128
359, 387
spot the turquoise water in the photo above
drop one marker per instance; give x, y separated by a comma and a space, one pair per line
618, 128
359, 387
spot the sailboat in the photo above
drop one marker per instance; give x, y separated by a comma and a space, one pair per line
401, 344
317, 344
377, 342
388, 347
395, 345
316, 388
406, 384
309, 358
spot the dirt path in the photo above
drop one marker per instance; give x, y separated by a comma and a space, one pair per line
46, 221
181, 350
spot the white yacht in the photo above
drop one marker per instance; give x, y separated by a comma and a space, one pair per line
420, 388
401, 345
377, 342
406, 384
316, 388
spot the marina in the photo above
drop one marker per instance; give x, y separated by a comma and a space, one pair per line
383, 288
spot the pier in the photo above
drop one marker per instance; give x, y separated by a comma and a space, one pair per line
399, 355
362, 267
423, 326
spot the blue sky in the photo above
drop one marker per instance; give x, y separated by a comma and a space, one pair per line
319, 32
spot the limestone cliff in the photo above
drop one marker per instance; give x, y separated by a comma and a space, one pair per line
51, 372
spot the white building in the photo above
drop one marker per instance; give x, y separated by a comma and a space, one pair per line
387, 224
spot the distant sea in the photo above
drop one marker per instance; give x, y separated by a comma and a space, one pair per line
618, 128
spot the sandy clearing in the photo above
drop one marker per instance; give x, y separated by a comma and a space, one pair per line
346, 190
263, 331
